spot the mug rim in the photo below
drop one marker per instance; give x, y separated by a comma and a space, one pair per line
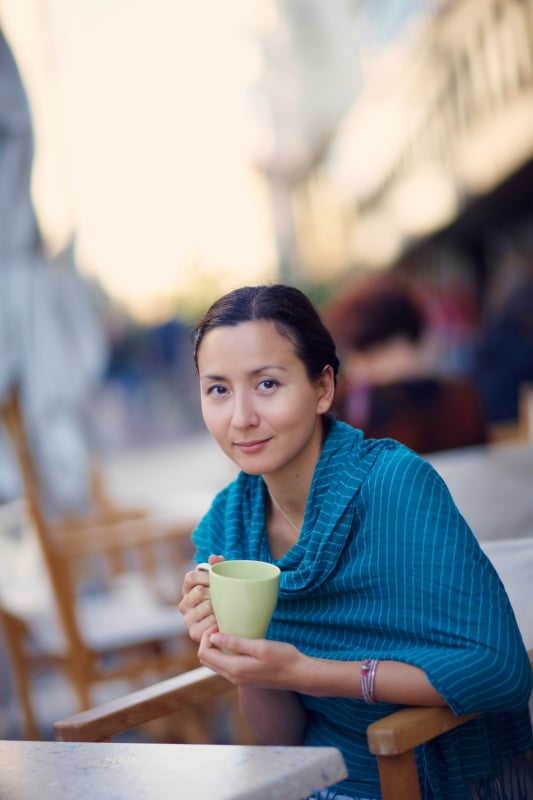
274, 570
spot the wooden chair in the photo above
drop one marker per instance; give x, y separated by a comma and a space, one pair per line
392, 739
113, 614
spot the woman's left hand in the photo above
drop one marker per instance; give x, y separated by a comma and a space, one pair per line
253, 662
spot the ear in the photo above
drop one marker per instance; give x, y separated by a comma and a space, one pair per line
325, 390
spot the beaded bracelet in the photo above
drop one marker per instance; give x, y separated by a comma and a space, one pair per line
368, 679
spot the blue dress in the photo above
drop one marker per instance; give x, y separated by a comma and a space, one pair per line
386, 567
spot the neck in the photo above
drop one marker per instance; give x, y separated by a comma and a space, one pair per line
284, 514
288, 488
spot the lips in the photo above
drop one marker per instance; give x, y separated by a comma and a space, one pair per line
251, 447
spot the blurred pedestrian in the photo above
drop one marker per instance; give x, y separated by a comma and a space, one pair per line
504, 355
390, 387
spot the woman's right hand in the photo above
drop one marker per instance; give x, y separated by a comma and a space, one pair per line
195, 605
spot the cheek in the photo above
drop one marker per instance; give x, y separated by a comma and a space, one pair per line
213, 419
207, 415
294, 412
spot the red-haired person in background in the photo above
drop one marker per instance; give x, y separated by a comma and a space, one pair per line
390, 388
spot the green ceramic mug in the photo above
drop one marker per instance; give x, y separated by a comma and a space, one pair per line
243, 595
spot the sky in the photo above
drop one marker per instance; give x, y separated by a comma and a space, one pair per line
144, 140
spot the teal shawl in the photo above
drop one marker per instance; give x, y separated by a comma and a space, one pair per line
386, 567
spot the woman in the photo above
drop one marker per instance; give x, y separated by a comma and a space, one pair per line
385, 596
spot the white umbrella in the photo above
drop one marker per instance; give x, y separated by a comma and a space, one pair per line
52, 347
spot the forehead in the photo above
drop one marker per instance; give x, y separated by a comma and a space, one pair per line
253, 341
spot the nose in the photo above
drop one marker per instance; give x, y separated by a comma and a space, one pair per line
244, 411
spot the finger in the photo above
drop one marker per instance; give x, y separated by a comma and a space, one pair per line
201, 613
236, 644
204, 644
193, 599
193, 578
197, 595
197, 630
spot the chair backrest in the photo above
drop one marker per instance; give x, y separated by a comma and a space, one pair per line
89, 551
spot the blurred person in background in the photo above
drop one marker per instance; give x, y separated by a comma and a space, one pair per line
390, 387
504, 355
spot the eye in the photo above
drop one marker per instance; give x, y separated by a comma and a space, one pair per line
216, 390
268, 384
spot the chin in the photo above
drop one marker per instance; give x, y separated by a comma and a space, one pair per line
250, 468
254, 465
251, 471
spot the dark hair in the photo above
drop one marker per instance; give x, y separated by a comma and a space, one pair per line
289, 309
373, 312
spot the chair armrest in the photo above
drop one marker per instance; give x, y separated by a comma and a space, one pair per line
410, 727
129, 711
393, 739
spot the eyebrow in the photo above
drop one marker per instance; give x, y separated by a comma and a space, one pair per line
258, 371
267, 367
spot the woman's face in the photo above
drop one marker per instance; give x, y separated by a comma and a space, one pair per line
257, 400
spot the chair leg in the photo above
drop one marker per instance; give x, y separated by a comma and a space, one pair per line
79, 685
31, 728
15, 633
398, 777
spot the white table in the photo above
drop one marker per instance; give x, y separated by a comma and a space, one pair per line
85, 771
